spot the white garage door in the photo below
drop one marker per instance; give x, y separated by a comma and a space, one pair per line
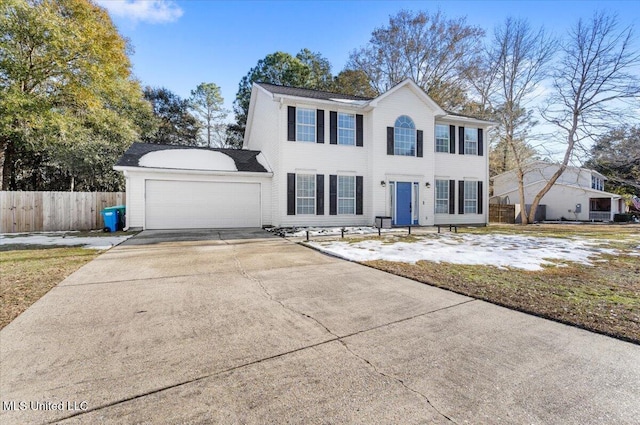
173, 204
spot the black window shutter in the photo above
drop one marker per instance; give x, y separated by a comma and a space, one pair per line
480, 197
461, 197
461, 140
390, 147
452, 196
480, 143
419, 143
333, 127
291, 123
333, 194
359, 190
319, 194
320, 126
452, 139
359, 131
291, 194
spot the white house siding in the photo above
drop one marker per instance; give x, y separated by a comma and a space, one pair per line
402, 168
263, 135
321, 158
458, 167
540, 171
268, 133
562, 199
137, 182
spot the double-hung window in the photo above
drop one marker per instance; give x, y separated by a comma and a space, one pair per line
597, 183
470, 197
442, 196
404, 136
471, 141
346, 129
305, 194
346, 194
442, 138
305, 125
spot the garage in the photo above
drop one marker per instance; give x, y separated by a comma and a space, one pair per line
196, 204
178, 187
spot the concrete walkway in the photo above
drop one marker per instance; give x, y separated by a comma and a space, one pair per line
242, 327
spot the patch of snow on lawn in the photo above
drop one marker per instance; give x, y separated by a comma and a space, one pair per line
523, 252
300, 232
63, 239
188, 159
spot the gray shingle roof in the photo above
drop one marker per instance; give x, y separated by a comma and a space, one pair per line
313, 94
245, 159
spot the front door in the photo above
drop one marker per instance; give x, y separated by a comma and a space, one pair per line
403, 204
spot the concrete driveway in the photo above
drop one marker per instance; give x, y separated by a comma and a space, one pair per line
242, 327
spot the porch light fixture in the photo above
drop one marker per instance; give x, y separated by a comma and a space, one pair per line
383, 183
428, 185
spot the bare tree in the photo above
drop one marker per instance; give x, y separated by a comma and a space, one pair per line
432, 50
518, 58
594, 84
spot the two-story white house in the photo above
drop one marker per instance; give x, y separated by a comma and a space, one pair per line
313, 158
578, 194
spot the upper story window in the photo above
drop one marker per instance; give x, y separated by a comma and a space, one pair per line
597, 183
470, 141
404, 136
305, 125
442, 138
346, 129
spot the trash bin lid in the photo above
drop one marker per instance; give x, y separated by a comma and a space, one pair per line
120, 208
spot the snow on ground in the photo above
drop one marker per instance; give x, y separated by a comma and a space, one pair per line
62, 239
517, 251
300, 232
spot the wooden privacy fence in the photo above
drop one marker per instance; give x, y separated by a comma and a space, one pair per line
51, 211
501, 213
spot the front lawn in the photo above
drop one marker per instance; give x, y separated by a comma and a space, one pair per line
28, 274
587, 276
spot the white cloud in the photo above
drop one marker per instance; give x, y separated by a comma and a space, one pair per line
150, 11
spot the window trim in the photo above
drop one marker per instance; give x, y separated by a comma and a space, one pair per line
597, 183
299, 124
313, 178
345, 198
353, 129
470, 141
412, 134
470, 186
446, 199
447, 146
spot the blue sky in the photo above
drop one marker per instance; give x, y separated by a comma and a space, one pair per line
179, 44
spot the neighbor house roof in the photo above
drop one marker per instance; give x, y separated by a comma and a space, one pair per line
245, 160
309, 93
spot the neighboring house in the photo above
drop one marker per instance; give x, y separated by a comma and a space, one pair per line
313, 158
577, 195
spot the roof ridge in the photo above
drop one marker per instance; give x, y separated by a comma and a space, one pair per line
326, 92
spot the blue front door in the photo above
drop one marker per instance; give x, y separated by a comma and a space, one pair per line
403, 204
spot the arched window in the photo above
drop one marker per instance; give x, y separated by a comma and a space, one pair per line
404, 136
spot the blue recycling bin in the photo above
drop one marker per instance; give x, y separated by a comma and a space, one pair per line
111, 220
114, 218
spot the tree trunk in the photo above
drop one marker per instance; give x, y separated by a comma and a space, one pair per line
6, 163
524, 219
